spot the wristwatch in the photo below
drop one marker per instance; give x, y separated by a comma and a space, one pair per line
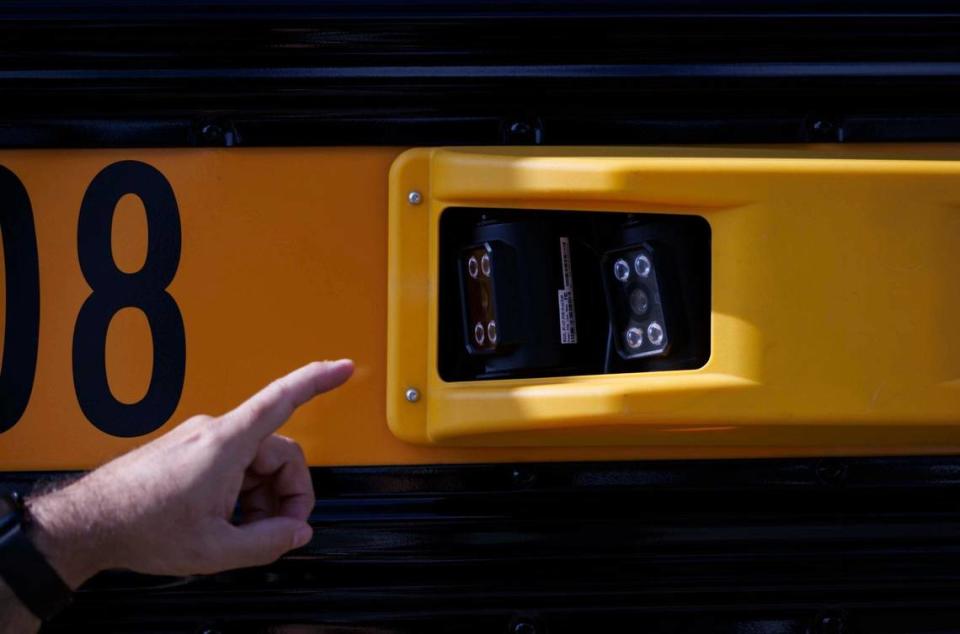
23, 567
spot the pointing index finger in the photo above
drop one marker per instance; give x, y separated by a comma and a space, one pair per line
264, 412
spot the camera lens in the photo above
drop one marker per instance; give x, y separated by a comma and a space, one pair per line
639, 301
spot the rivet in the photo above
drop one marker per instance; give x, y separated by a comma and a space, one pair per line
412, 394
415, 198
831, 472
524, 627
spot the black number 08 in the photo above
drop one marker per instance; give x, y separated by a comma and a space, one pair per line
112, 290
22, 328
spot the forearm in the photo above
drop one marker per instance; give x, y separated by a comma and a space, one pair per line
60, 527
66, 525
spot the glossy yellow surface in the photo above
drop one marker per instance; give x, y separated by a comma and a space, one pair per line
834, 323
835, 300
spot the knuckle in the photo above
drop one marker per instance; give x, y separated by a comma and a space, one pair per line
217, 438
200, 420
205, 430
291, 445
275, 394
257, 409
297, 452
195, 424
280, 389
213, 427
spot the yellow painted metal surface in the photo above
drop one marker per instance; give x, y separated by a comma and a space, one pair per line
834, 296
834, 309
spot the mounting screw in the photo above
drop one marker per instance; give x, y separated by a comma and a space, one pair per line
520, 129
414, 198
825, 129
212, 134
412, 395
523, 132
524, 627
831, 472
830, 623
523, 477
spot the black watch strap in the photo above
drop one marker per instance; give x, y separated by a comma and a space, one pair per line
24, 569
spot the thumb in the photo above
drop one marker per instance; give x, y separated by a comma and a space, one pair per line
264, 541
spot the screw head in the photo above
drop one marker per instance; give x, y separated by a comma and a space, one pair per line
525, 132
520, 128
831, 624
524, 627
212, 133
825, 129
831, 472
415, 198
412, 395
523, 477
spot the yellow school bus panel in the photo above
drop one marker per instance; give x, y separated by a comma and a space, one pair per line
834, 307
834, 300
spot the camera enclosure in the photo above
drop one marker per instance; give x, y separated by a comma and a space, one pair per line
563, 293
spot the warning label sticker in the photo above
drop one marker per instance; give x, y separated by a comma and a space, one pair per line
568, 311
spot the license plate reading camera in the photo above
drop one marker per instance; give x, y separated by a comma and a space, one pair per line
636, 308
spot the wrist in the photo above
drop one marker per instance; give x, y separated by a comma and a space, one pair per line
63, 529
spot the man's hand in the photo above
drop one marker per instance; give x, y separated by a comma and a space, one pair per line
166, 507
